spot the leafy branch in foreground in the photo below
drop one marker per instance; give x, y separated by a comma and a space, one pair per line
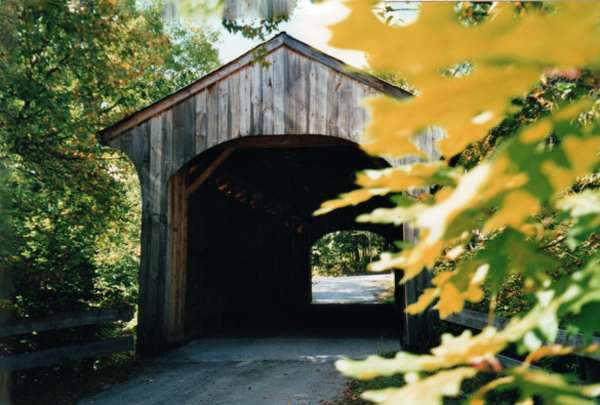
509, 52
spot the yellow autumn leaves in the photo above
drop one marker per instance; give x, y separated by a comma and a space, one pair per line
507, 53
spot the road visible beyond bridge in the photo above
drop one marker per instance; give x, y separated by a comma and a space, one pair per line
346, 290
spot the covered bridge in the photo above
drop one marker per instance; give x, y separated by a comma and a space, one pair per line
231, 169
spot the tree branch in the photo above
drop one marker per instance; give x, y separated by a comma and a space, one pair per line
553, 243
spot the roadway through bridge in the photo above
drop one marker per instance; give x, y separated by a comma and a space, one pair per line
348, 290
283, 363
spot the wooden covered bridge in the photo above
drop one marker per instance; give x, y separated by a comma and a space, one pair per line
231, 169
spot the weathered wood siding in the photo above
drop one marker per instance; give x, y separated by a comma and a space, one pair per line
303, 92
296, 95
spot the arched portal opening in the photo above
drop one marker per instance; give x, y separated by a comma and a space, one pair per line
340, 274
250, 228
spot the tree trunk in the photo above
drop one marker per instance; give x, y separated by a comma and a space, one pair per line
370, 251
5, 270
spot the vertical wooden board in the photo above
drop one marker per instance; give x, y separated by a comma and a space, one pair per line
126, 145
344, 106
189, 125
136, 146
201, 122
242, 8
144, 325
313, 112
357, 115
368, 92
420, 327
223, 118
434, 135
178, 135
116, 143
146, 284
212, 115
256, 99
278, 68
333, 98
137, 150
301, 95
425, 141
291, 60
167, 143
156, 165
366, 115
178, 215
158, 190
160, 277
235, 105
245, 102
144, 170
267, 102
322, 99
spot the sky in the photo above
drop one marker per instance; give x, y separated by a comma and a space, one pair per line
307, 24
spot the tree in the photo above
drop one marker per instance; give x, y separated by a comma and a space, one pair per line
504, 197
344, 253
67, 70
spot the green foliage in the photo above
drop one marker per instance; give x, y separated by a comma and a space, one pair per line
255, 29
517, 219
346, 253
67, 70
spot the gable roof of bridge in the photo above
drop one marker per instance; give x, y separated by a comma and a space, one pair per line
280, 40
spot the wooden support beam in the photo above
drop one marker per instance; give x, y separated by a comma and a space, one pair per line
66, 353
67, 320
208, 172
377, 162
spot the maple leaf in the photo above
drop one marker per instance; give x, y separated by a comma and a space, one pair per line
427, 391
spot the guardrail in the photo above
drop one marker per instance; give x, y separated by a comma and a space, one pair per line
478, 320
62, 354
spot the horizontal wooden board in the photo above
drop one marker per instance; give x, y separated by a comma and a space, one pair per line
477, 320
67, 353
508, 362
67, 320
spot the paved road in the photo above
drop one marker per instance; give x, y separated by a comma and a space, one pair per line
248, 371
280, 365
344, 290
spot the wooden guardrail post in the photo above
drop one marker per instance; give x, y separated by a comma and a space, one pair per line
66, 353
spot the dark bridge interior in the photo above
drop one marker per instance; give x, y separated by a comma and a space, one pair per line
251, 228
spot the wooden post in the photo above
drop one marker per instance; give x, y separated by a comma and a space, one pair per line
418, 330
178, 233
208, 172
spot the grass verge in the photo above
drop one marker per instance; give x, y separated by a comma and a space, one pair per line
351, 395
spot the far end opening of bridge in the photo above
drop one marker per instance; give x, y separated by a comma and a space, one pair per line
340, 269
